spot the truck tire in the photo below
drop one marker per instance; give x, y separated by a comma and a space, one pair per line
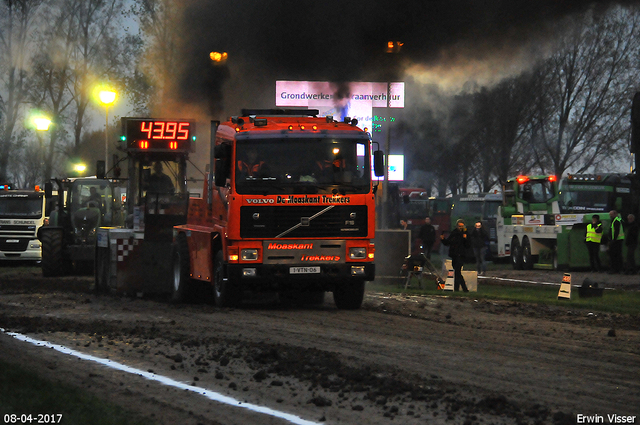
516, 254
181, 288
225, 293
527, 258
348, 295
52, 261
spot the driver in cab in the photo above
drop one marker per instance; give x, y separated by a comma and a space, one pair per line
252, 167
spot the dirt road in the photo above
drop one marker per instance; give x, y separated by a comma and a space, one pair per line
407, 360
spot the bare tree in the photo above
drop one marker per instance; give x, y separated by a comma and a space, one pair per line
159, 68
53, 74
16, 21
98, 53
501, 117
582, 109
78, 46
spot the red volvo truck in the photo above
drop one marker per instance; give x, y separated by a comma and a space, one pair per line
290, 207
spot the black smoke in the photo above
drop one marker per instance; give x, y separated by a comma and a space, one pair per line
343, 41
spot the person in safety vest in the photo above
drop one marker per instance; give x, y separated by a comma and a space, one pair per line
593, 240
615, 245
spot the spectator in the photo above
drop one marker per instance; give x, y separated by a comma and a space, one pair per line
593, 240
457, 243
479, 240
615, 245
427, 235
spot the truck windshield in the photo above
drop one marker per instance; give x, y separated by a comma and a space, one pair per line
584, 199
467, 207
304, 165
537, 191
20, 206
491, 209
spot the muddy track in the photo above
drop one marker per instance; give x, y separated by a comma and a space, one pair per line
409, 360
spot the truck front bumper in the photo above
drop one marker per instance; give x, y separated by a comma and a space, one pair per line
283, 276
33, 252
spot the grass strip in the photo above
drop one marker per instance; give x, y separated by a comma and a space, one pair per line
612, 301
22, 392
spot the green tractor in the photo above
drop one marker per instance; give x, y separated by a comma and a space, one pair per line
82, 205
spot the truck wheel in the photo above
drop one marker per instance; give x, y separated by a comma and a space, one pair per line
52, 262
348, 295
181, 287
516, 254
527, 258
226, 294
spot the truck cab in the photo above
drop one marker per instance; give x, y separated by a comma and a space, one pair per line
290, 208
22, 214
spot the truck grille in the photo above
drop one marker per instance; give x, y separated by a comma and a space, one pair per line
17, 230
7, 244
269, 222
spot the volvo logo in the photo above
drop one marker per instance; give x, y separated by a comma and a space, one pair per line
352, 216
260, 201
256, 216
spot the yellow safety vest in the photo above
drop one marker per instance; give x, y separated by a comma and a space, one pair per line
592, 236
621, 234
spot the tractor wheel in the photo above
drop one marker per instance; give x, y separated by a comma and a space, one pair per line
226, 294
516, 254
348, 295
527, 258
52, 262
181, 288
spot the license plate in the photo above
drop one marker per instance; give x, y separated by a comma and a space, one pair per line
304, 270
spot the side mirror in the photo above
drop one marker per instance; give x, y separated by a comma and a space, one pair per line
222, 164
378, 163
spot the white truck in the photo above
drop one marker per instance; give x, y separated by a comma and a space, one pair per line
527, 227
22, 213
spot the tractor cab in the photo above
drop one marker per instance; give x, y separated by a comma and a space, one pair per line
531, 195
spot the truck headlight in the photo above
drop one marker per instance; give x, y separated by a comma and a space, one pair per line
359, 253
249, 254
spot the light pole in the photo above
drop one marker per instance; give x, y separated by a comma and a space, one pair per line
107, 97
42, 124
392, 47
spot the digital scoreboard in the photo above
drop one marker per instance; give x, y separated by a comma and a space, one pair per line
159, 135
